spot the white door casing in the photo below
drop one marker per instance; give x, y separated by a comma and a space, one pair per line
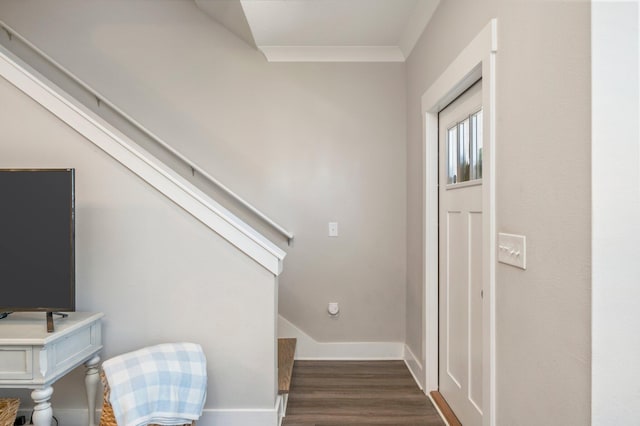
460, 258
477, 60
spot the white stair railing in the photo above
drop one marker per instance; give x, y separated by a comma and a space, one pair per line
101, 99
139, 161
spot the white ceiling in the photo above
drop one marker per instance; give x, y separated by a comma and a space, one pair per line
326, 30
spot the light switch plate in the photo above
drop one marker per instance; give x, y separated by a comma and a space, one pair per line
333, 229
512, 250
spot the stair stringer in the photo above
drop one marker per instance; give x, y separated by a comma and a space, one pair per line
120, 147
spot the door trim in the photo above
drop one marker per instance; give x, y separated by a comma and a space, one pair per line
477, 60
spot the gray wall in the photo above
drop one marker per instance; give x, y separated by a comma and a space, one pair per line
334, 134
543, 192
306, 143
131, 264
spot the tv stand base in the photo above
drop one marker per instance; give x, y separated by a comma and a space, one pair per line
50, 327
33, 359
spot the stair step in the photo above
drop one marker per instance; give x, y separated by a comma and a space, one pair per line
286, 351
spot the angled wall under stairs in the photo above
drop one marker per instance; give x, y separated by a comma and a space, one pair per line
150, 255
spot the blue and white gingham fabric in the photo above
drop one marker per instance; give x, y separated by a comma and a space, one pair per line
164, 384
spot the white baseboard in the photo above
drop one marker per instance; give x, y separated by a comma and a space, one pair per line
415, 367
275, 415
241, 417
309, 349
281, 407
210, 417
417, 371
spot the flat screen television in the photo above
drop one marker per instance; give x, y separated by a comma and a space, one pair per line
37, 233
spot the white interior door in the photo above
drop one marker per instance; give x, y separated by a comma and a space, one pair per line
460, 256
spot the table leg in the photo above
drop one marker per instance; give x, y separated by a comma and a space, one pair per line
91, 380
42, 412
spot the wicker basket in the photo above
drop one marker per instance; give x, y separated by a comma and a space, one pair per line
8, 411
108, 418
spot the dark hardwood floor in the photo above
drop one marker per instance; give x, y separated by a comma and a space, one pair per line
332, 393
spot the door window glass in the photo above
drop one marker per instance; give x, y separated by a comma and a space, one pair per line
452, 154
464, 150
476, 145
463, 146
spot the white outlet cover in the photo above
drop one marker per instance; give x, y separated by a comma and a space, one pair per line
512, 250
333, 229
333, 308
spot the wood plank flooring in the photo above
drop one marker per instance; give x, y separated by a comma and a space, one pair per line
332, 393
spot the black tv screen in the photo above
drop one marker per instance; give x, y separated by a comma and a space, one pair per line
37, 227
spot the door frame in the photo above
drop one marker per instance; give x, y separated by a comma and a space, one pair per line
477, 60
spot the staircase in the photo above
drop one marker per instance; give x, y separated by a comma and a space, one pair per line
286, 352
122, 158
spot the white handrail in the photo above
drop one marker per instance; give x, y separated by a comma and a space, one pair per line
102, 99
140, 162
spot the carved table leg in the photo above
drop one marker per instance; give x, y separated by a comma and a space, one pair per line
42, 412
91, 380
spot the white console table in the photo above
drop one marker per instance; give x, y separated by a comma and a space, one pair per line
31, 358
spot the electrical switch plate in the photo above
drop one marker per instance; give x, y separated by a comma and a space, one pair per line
333, 229
512, 250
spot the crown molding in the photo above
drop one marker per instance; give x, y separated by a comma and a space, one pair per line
332, 53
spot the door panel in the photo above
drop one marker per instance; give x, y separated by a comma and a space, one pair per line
456, 307
475, 317
460, 254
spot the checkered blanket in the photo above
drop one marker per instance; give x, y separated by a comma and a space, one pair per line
164, 384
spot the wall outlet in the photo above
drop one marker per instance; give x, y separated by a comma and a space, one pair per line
333, 309
333, 229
